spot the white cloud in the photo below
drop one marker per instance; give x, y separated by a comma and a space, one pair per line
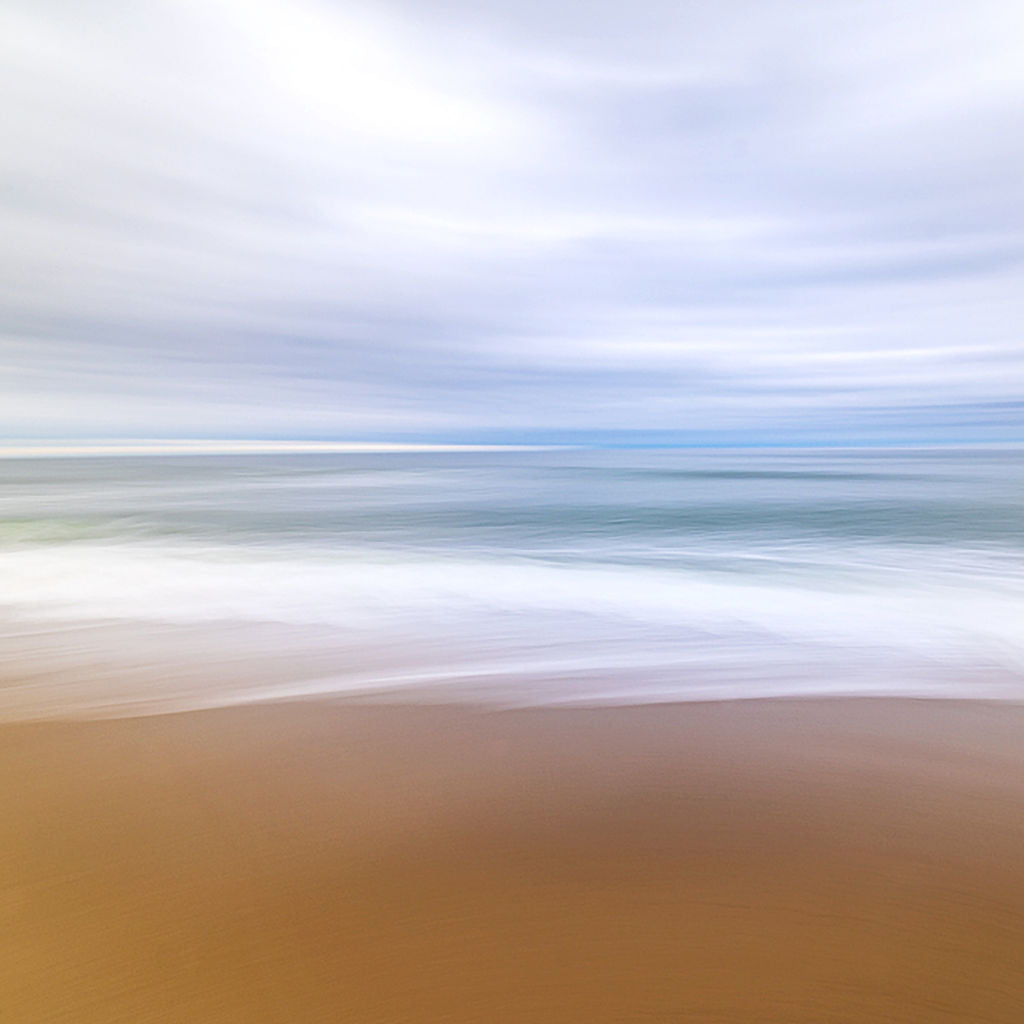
347, 218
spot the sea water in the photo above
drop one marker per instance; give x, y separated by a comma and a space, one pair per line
510, 577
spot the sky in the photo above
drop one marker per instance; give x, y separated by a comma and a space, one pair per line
444, 220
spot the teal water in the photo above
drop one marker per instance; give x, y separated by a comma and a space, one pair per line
540, 576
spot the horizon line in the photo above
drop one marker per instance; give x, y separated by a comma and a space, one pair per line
204, 446
258, 446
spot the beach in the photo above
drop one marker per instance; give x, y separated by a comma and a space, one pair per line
511, 513
328, 860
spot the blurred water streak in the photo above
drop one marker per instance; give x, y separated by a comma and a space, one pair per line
517, 577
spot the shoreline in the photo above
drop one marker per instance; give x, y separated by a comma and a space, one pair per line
100, 669
793, 860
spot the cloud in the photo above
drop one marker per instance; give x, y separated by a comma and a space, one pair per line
315, 219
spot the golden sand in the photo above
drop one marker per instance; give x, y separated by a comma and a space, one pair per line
791, 861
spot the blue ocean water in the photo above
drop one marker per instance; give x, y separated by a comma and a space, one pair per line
511, 577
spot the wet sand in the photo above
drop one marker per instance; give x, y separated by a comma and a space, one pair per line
791, 861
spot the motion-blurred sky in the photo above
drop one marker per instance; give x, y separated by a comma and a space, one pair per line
709, 221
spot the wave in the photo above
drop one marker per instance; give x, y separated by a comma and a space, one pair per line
966, 604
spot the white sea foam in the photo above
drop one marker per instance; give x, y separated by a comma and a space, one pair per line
579, 631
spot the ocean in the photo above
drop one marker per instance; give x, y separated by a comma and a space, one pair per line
134, 584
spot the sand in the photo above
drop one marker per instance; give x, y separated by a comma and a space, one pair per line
792, 861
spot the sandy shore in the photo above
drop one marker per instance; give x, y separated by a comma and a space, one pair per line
792, 861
